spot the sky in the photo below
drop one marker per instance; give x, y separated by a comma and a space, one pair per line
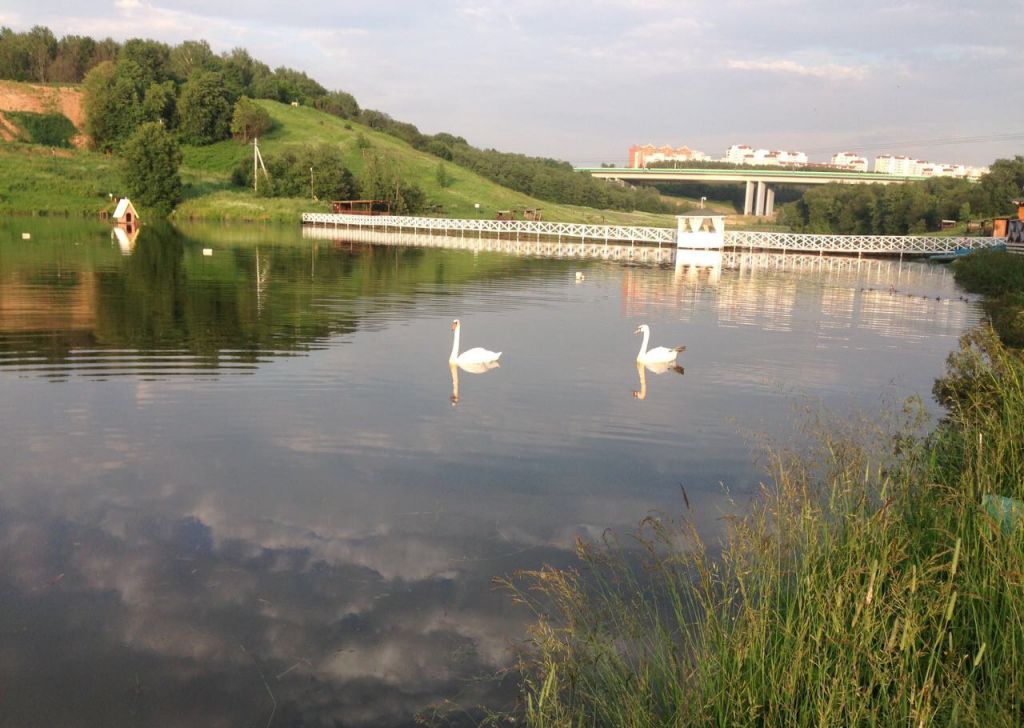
582, 80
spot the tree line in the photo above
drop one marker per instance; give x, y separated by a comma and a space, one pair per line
906, 208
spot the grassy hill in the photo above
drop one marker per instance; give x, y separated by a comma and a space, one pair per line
42, 181
209, 194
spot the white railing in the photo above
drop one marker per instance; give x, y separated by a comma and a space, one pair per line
522, 228
539, 231
859, 244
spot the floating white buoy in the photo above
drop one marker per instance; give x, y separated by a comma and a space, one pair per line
207, 251
26, 236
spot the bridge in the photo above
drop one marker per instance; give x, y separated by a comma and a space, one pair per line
760, 196
622, 241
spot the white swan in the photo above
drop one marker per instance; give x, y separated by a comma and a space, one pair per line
657, 355
471, 358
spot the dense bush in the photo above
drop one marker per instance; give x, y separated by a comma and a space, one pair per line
991, 272
317, 171
53, 130
1000, 276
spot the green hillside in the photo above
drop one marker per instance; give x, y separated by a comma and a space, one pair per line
43, 181
206, 172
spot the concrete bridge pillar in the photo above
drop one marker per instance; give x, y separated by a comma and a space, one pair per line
759, 202
748, 200
769, 202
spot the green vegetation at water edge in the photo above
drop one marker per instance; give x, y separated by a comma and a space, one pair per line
878, 580
999, 275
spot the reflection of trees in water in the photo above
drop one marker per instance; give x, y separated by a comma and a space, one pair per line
244, 301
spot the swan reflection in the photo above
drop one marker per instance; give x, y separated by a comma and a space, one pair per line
472, 368
653, 368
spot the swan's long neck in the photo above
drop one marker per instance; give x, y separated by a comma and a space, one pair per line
455, 344
643, 344
642, 373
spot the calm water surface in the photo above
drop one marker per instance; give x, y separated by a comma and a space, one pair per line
235, 486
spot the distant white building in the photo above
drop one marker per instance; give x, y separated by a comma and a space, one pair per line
910, 167
849, 161
898, 165
739, 154
743, 154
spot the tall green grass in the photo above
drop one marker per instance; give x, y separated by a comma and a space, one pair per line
42, 181
868, 586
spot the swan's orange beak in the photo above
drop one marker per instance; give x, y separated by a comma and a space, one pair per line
455, 325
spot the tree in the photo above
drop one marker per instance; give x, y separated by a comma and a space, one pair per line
160, 104
192, 56
112, 106
241, 72
41, 47
74, 58
204, 109
996, 190
338, 103
153, 57
381, 181
151, 158
249, 120
443, 178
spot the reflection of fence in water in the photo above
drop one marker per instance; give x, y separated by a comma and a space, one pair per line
776, 292
542, 248
890, 297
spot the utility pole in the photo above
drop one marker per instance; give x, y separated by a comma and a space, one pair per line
257, 164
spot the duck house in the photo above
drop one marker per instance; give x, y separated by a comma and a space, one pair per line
125, 214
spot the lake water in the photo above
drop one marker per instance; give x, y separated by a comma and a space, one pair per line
235, 487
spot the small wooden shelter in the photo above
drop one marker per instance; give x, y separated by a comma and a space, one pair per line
361, 207
125, 214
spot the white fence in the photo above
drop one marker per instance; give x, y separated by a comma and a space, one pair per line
519, 229
453, 230
853, 244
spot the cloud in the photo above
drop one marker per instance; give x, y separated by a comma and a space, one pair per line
831, 71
